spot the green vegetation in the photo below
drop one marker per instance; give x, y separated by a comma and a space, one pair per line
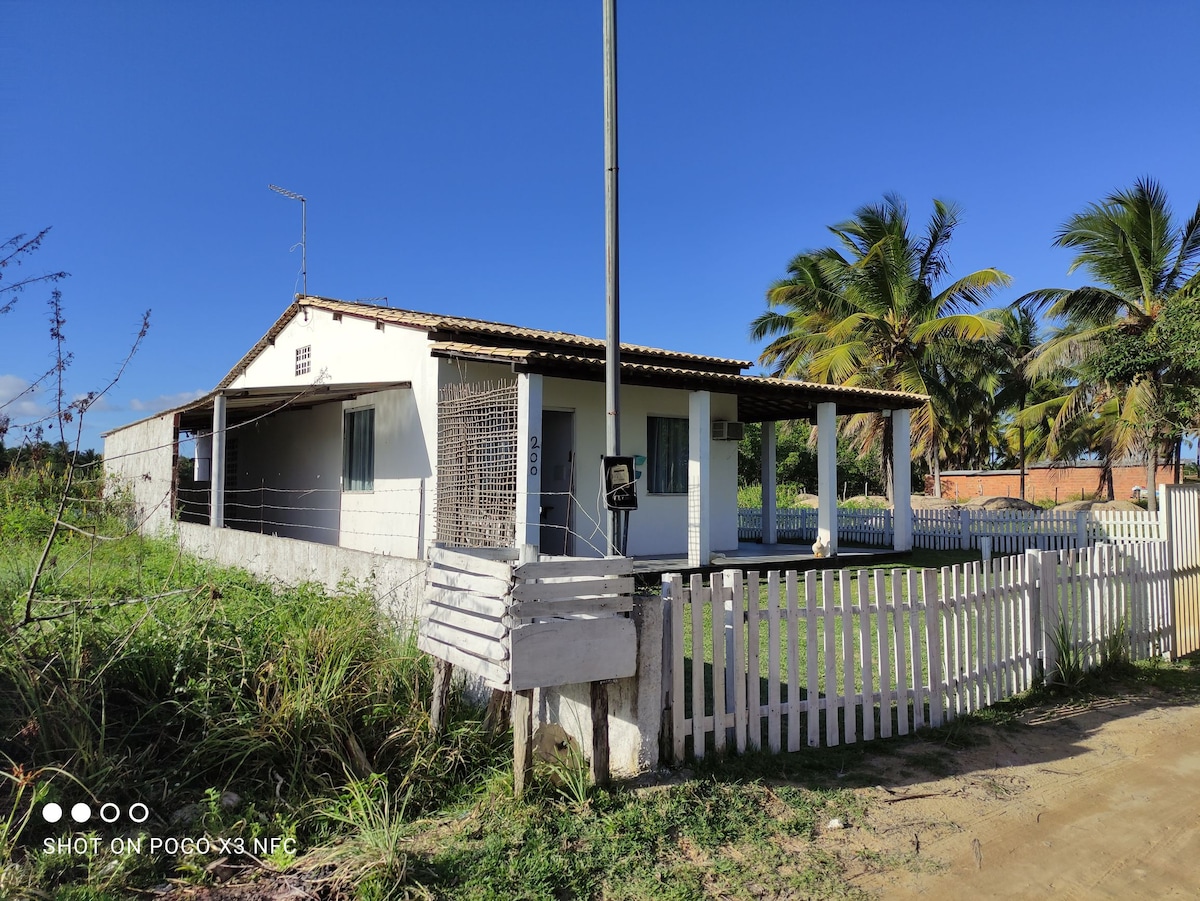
229, 706
1127, 344
875, 311
1113, 375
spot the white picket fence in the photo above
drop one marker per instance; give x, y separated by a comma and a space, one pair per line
1015, 531
867, 528
841, 656
1010, 531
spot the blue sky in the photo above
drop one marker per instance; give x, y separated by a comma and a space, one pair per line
452, 156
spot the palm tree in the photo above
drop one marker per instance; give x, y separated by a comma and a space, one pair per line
1142, 263
872, 311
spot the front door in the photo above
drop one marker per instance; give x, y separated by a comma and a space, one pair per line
558, 482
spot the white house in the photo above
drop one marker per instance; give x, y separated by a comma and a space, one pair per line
384, 430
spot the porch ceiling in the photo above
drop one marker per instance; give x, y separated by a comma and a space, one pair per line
245, 403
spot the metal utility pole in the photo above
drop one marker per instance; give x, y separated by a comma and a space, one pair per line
303, 233
612, 369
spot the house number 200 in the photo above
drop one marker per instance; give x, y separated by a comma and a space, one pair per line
534, 447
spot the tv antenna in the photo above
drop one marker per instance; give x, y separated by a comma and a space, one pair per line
303, 232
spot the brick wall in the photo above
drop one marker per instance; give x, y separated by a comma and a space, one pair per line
1057, 483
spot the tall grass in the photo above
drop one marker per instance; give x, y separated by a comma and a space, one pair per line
150, 676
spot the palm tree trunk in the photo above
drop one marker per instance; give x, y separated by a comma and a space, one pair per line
1152, 475
1021, 454
937, 474
886, 461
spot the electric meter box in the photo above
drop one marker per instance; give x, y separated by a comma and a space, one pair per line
620, 484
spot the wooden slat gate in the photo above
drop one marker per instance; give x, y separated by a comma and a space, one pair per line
521, 623
1181, 511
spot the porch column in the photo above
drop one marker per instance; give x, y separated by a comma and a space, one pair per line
529, 459
699, 516
827, 531
770, 528
902, 530
216, 490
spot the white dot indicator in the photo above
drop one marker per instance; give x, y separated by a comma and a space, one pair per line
139, 812
110, 812
81, 813
52, 813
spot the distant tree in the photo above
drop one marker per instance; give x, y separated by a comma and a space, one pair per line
1144, 266
873, 312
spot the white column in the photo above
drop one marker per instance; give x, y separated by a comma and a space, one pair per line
902, 480
827, 476
529, 459
216, 489
770, 526
699, 516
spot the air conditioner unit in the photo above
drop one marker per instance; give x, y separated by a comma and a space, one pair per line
723, 430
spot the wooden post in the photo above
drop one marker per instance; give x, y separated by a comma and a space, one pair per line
600, 767
666, 700
522, 717
496, 717
442, 670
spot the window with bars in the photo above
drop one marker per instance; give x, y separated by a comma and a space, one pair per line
358, 450
303, 359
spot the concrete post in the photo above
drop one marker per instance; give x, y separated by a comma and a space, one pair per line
699, 513
529, 459
216, 491
827, 477
770, 518
902, 526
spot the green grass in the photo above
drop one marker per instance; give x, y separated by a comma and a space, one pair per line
148, 676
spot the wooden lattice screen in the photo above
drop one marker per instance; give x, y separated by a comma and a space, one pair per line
477, 465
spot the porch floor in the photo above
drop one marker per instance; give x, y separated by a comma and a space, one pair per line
766, 557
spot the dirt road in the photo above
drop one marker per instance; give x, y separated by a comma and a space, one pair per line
1093, 799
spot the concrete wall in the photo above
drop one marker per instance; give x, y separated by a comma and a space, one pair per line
140, 459
396, 582
634, 704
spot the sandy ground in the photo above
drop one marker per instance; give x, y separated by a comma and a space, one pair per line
1096, 799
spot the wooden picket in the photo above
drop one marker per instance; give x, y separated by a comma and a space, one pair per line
925, 646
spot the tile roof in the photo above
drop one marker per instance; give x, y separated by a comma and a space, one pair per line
458, 327
759, 397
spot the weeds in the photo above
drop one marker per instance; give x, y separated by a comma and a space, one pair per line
1068, 656
208, 681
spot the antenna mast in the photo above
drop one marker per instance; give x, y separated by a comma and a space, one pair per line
303, 232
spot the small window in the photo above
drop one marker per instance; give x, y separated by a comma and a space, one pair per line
666, 455
358, 450
303, 359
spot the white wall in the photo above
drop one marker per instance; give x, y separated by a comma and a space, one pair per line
395, 582
347, 350
659, 526
388, 519
139, 459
